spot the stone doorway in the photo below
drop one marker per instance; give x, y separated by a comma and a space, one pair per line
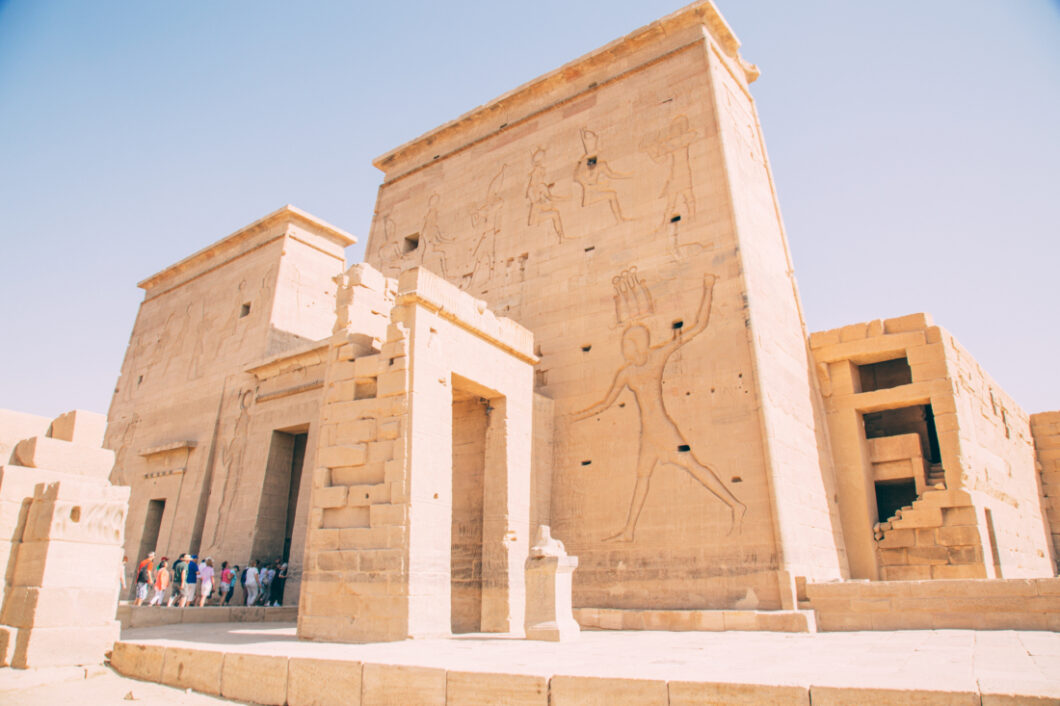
279, 494
152, 525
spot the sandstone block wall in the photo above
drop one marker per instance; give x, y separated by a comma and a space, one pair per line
421, 502
1045, 427
233, 328
61, 529
977, 513
592, 206
994, 604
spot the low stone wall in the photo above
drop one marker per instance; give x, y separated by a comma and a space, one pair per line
692, 620
148, 616
311, 681
978, 604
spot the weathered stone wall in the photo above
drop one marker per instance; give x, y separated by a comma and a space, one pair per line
985, 459
222, 355
998, 468
61, 528
382, 557
986, 604
596, 206
1045, 427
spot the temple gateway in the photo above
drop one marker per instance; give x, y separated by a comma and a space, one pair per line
578, 310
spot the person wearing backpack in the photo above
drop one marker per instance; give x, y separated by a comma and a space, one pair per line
145, 576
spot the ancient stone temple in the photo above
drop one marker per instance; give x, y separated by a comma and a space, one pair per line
578, 310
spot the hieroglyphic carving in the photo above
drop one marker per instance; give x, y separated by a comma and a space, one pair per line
632, 298
121, 440
388, 253
671, 145
661, 442
486, 221
594, 175
95, 521
195, 366
429, 250
231, 455
539, 194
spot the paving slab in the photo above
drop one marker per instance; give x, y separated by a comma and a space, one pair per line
1005, 664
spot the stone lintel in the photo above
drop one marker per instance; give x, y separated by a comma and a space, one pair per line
638, 48
424, 288
309, 354
245, 240
171, 446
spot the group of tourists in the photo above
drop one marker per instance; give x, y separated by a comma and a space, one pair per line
188, 580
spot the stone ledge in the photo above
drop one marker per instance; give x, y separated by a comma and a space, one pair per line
132, 616
696, 620
978, 604
305, 680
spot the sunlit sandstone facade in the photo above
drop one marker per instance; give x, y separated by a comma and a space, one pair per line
577, 309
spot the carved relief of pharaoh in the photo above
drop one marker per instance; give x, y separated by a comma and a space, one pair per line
486, 221
661, 441
231, 457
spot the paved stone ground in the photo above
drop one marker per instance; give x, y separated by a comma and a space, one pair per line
989, 662
99, 687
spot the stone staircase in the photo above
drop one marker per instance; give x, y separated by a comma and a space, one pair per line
935, 537
936, 476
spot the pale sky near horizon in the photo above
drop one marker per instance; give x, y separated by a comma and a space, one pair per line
914, 145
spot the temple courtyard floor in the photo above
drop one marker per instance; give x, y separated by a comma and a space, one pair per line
266, 663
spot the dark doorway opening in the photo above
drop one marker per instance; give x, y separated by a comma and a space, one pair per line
152, 526
279, 495
885, 374
892, 496
918, 419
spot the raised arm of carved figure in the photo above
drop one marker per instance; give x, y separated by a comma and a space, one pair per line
611, 173
683, 336
609, 399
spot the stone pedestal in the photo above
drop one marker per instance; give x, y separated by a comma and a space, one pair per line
549, 570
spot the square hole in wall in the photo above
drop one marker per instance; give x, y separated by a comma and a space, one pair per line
410, 243
364, 389
244, 310
885, 374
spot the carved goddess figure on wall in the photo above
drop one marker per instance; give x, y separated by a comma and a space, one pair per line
539, 194
661, 442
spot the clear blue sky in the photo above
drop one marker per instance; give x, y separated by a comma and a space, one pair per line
915, 145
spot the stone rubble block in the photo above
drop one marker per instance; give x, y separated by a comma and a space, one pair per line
80, 427
143, 662
199, 670
55, 454
59, 564
55, 646
344, 455
261, 679
581, 691
33, 606
387, 685
684, 693
323, 682
484, 689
